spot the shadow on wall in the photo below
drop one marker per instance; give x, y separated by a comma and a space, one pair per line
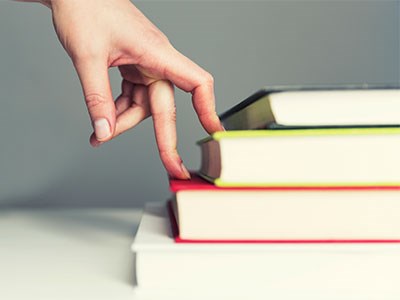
97, 178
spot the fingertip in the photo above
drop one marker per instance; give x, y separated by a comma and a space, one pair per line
185, 171
102, 129
177, 171
180, 176
221, 125
211, 123
174, 165
94, 142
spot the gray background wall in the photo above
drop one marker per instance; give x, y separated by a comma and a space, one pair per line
45, 158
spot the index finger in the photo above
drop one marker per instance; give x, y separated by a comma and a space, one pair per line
188, 76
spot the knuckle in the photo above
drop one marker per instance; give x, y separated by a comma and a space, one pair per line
172, 114
208, 79
163, 38
168, 115
94, 100
157, 39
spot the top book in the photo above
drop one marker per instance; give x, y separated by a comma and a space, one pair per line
322, 106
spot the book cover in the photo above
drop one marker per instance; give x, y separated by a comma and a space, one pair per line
317, 157
278, 107
179, 240
162, 263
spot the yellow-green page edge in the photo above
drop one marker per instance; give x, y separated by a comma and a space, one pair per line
302, 132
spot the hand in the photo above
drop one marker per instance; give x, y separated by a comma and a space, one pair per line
99, 34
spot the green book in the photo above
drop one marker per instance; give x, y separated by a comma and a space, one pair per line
303, 157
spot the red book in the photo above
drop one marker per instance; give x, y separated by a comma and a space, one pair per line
203, 213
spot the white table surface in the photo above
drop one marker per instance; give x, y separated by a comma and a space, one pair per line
67, 254
85, 254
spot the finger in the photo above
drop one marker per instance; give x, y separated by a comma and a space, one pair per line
98, 97
162, 106
125, 121
124, 100
137, 111
122, 104
130, 118
203, 100
188, 76
135, 94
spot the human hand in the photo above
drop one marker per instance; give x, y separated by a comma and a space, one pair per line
99, 34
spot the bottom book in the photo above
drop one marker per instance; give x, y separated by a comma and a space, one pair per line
370, 269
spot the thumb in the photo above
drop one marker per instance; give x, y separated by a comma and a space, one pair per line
98, 97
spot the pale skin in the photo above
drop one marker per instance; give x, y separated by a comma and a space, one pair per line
100, 34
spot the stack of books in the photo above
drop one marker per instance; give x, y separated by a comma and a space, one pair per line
300, 195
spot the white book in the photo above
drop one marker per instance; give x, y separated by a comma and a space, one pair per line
297, 106
303, 157
359, 270
288, 214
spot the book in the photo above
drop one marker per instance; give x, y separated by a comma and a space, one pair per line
201, 212
160, 263
309, 157
321, 106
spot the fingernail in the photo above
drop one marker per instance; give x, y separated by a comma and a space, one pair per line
185, 171
101, 129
